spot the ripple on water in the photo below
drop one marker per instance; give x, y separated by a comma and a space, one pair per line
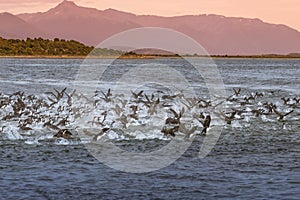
254, 158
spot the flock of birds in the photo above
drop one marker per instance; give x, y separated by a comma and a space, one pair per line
62, 114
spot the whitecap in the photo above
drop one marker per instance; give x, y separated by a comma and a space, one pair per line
62, 141
265, 119
236, 124
32, 141
12, 133
112, 135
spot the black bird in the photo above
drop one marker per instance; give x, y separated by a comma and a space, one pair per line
227, 118
237, 91
176, 118
170, 132
282, 115
285, 100
206, 124
100, 134
137, 95
107, 96
63, 133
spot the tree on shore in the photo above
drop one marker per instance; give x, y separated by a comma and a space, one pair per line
46, 47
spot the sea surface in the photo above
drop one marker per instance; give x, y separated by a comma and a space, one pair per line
255, 157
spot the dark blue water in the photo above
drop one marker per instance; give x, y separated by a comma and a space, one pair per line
254, 159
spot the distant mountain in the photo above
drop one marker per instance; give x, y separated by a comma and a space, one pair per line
87, 25
218, 34
12, 26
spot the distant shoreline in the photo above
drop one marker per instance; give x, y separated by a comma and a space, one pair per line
153, 57
39, 48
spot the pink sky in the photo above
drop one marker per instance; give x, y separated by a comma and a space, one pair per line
273, 11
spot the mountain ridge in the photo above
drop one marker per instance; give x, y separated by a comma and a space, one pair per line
216, 33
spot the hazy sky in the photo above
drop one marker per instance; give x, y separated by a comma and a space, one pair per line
273, 11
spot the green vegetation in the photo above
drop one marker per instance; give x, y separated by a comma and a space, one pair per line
39, 47
46, 47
